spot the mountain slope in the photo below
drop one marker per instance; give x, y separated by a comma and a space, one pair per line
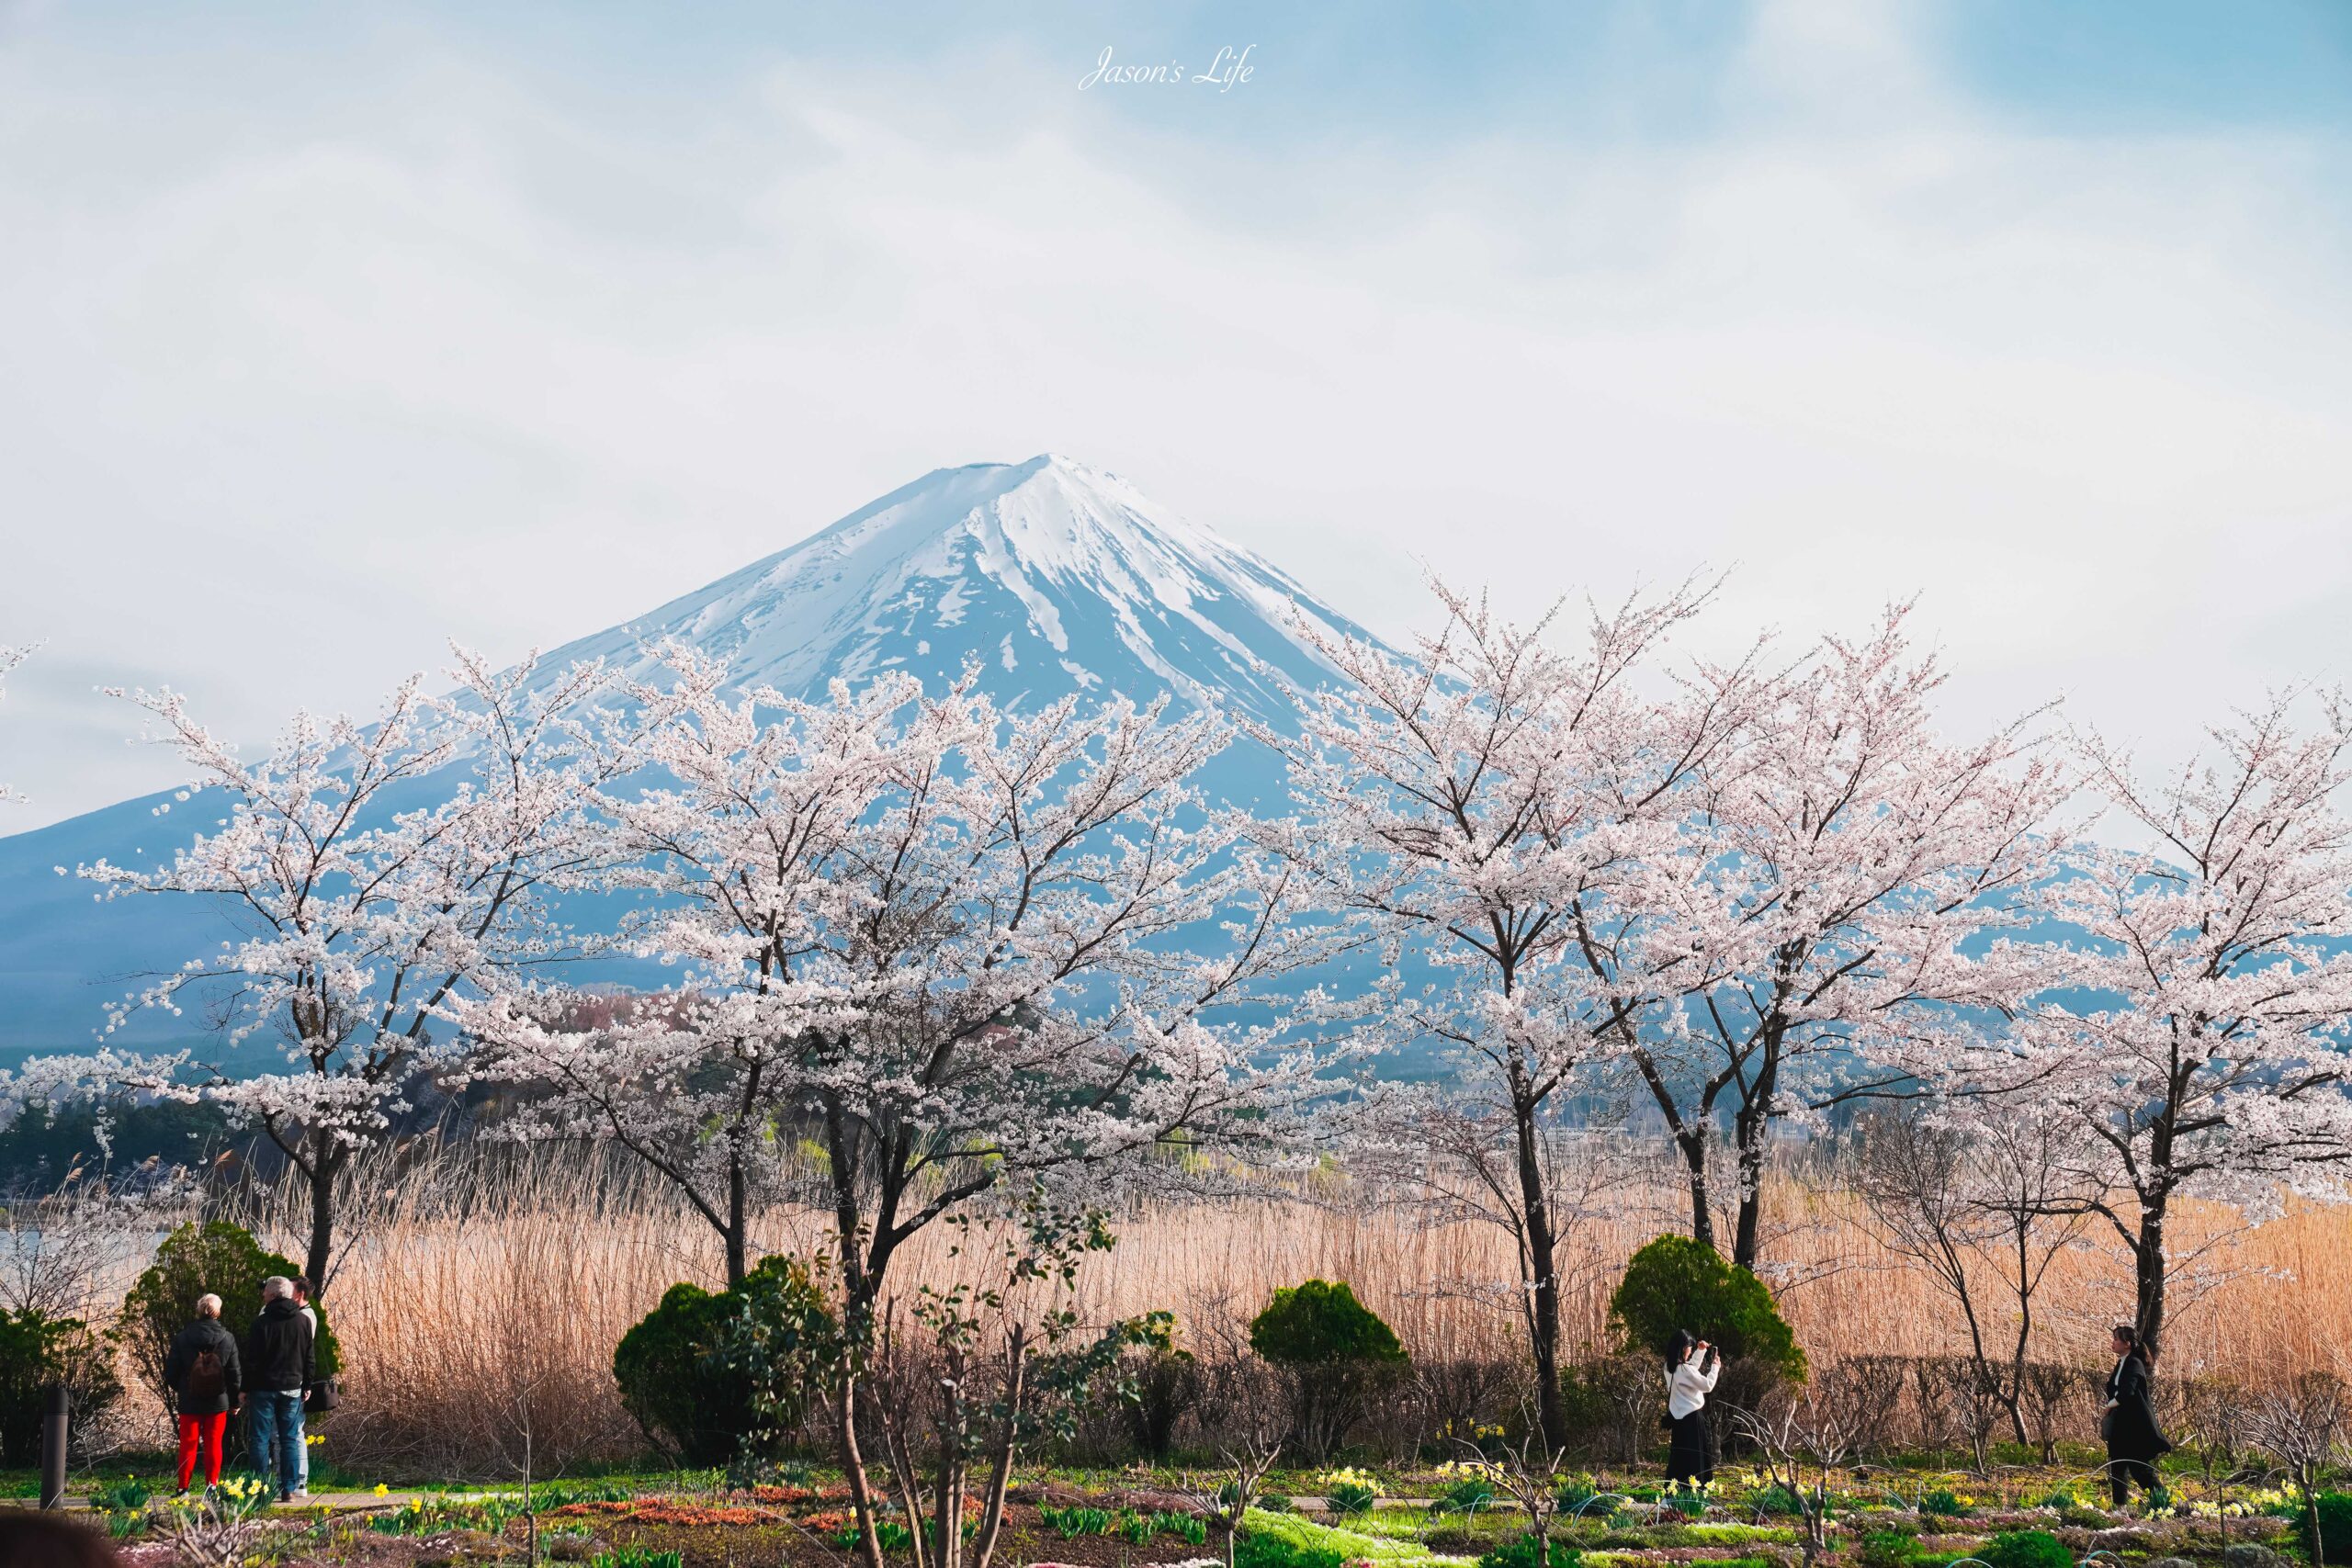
1054, 576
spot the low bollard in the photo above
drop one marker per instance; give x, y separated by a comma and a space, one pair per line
53, 1448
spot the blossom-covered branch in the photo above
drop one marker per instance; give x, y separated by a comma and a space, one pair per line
946, 944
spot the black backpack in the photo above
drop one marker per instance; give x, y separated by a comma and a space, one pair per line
205, 1379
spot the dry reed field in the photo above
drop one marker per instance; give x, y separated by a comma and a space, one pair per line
476, 1312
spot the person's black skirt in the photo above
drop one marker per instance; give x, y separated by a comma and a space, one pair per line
1690, 1454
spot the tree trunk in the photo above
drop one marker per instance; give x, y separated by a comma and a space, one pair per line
1749, 1128
954, 1432
1545, 1304
1001, 1473
1689, 1142
1703, 1217
2016, 1355
909, 1481
861, 1491
324, 1167
2148, 1266
1745, 1242
738, 1223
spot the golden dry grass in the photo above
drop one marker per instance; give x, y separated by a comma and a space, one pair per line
466, 1313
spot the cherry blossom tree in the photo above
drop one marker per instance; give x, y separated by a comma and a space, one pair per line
362, 897
950, 943
1496, 812
1851, 856
2207, 1006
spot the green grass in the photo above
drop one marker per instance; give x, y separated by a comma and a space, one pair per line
1394, 1535
1355, 1541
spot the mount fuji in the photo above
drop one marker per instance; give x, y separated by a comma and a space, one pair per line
1052, 577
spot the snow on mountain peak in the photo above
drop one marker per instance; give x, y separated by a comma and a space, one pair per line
1054, 576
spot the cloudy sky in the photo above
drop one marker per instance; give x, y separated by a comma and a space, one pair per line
329, 333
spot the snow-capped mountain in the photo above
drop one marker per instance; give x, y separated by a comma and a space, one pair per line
1054, 576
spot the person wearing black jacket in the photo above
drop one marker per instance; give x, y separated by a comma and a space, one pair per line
202, 1371
278, 1366
2128, 1419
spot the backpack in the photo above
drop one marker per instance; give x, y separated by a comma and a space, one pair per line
204, 1377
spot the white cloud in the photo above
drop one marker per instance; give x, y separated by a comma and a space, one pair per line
305, 379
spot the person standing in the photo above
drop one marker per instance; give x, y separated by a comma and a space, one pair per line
278, 1366
1692, 1368
301, 1283
2128, 1419
201, 1370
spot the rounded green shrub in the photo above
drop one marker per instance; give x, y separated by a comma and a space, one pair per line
658, 1365
2334, 1525
211, 1259
1336, 1354
683, 1370
36, 1351
2027, 1549
1676, 1282
1321, 1324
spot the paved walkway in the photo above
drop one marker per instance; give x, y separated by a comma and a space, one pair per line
318, 1502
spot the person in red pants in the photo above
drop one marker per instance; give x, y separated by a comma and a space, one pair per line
203, 1374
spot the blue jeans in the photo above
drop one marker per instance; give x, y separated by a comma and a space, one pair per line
278, 1439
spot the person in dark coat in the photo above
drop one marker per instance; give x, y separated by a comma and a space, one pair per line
203, 1373
2128, 1419
279, 1366
1692, 1368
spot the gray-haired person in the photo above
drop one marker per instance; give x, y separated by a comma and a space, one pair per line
201, 1370
279, 1364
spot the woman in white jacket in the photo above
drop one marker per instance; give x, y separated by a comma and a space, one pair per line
1692, 1368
